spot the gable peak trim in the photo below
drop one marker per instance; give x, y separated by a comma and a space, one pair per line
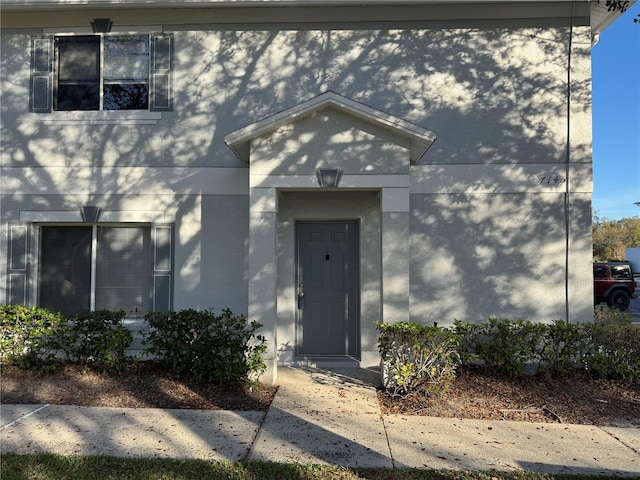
421, 139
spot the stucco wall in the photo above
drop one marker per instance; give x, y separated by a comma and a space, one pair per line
476, 256
329, 139
495, 96
508, 104
224, 252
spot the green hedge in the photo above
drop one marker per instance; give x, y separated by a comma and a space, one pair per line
500, 344
206, 347
30, 337
98, 338
613, 350
423, 359
195, 344
41, 339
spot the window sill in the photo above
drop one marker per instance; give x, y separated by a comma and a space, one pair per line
103, 117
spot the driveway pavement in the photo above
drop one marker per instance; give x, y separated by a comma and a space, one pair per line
634, 308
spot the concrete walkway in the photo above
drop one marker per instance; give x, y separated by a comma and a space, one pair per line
321, 416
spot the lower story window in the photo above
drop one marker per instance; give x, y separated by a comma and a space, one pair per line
85, 268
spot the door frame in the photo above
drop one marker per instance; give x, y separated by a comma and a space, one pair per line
356, 341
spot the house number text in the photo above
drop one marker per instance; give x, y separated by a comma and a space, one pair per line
551, 180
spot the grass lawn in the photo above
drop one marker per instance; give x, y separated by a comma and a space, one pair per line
56, 467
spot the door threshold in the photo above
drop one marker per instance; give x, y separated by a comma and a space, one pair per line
311, 361
343, 369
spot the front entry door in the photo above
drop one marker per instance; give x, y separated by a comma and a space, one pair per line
327, 286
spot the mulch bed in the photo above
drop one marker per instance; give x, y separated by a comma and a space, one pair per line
576, 399
146, 386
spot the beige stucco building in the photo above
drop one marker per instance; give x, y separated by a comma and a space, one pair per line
316, 165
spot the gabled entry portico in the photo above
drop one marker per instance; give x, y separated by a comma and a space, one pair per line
374, 152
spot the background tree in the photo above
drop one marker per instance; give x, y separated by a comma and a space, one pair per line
611, 238
618, 6
615, 5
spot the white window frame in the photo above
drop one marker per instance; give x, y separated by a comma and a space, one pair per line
101, 60
94, 258
104, 117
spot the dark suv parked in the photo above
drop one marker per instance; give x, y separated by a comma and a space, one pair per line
613, 283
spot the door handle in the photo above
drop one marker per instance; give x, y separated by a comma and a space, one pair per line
301, 297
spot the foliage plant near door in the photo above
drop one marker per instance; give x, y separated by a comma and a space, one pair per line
417, 358
204, 346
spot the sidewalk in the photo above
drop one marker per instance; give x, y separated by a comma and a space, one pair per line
322, 417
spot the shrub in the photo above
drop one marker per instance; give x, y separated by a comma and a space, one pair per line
501, 344
206, 347
608, 347
563, 347
98, 339
468, 338
30, 337
613, 348
417, 359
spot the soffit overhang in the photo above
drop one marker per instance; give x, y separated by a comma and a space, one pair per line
601, 17
581, 10
420, 138
62, 4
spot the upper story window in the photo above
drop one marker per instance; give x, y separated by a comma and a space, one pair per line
101, 72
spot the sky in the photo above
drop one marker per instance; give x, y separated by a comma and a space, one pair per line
616, 118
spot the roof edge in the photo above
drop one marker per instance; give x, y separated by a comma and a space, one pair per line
421, 138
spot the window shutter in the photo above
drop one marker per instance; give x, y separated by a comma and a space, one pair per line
41, 83
162, 265
18, 265
161, 74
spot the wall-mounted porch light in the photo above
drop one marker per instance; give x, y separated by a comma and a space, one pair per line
101, 25
328, 177
90, 213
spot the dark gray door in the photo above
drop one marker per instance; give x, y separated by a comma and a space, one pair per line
327, 283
